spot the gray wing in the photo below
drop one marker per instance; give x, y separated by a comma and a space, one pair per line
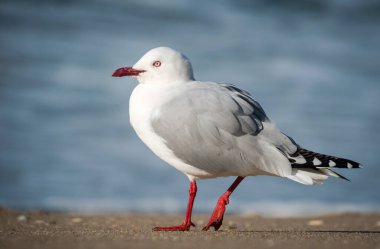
248, 111
202, 126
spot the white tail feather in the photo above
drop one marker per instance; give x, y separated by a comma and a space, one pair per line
308, 176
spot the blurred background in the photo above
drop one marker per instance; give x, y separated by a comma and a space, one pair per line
65, 139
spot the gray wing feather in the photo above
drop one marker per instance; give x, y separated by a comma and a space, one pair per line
203, 125
219, 106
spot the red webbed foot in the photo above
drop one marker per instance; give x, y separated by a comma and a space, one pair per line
216, 218
182, 227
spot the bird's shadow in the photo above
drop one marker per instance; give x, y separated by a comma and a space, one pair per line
311, 231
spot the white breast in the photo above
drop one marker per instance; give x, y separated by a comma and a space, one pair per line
144, 105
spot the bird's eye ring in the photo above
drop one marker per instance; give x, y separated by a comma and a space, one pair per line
157, 63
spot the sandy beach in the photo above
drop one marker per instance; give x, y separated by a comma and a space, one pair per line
36, 229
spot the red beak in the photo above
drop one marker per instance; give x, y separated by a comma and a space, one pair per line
126, 71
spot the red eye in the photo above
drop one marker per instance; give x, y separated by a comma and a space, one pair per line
157, 63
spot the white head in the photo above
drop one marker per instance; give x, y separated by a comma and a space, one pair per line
159, 66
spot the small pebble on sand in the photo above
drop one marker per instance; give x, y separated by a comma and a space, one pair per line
21, 218
315, 222
76, 220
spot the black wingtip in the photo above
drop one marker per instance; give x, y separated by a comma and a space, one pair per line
341, 176
310, 159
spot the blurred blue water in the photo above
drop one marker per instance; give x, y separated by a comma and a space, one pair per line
65, 138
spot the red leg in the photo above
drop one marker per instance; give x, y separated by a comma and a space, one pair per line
186, 224
218, 213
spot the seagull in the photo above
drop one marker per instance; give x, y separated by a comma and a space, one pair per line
207, 130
